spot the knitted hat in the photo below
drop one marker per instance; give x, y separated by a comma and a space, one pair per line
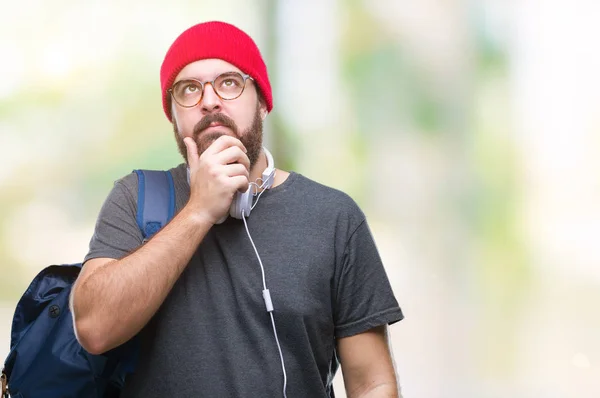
214, 40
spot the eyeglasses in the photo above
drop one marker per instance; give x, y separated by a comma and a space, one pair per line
228, 86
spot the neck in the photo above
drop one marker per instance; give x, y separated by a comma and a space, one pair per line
259, 167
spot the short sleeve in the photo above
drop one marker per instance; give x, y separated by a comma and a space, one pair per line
363, 295
116, 233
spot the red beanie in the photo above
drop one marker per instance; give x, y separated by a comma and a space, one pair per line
214, 40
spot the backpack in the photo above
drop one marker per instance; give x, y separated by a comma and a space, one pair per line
45, 358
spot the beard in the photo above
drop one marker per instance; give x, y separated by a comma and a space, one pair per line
251, 138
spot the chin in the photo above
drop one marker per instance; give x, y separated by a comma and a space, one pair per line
206, 138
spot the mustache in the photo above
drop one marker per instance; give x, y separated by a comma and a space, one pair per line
207, 120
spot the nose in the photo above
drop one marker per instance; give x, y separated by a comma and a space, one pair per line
211, 102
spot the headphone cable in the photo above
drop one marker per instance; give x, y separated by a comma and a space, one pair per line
268, 302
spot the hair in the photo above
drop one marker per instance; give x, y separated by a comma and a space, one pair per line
174, 114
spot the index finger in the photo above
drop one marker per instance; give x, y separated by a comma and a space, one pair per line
224, 142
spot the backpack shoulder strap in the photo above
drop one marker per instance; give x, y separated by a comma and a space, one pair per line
156, 200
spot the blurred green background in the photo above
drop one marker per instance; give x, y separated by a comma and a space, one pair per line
466, 130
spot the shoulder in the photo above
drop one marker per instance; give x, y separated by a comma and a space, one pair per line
325, 194
130, 182
326, 202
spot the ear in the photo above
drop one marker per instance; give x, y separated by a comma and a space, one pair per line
262, 106
263, 112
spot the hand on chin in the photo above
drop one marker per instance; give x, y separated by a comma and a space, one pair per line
210, 135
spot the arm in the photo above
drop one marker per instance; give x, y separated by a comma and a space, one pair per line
113, 300
367, 365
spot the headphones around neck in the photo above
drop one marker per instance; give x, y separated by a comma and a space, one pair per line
242, 202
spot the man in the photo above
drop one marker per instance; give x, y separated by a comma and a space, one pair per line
194, 292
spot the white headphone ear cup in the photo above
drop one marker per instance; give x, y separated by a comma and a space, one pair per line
241, 202
268, 175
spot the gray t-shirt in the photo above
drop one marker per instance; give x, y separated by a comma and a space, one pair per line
212, 336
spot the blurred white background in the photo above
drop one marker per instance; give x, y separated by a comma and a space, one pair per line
466, 130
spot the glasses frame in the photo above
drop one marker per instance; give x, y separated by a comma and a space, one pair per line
245, 76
